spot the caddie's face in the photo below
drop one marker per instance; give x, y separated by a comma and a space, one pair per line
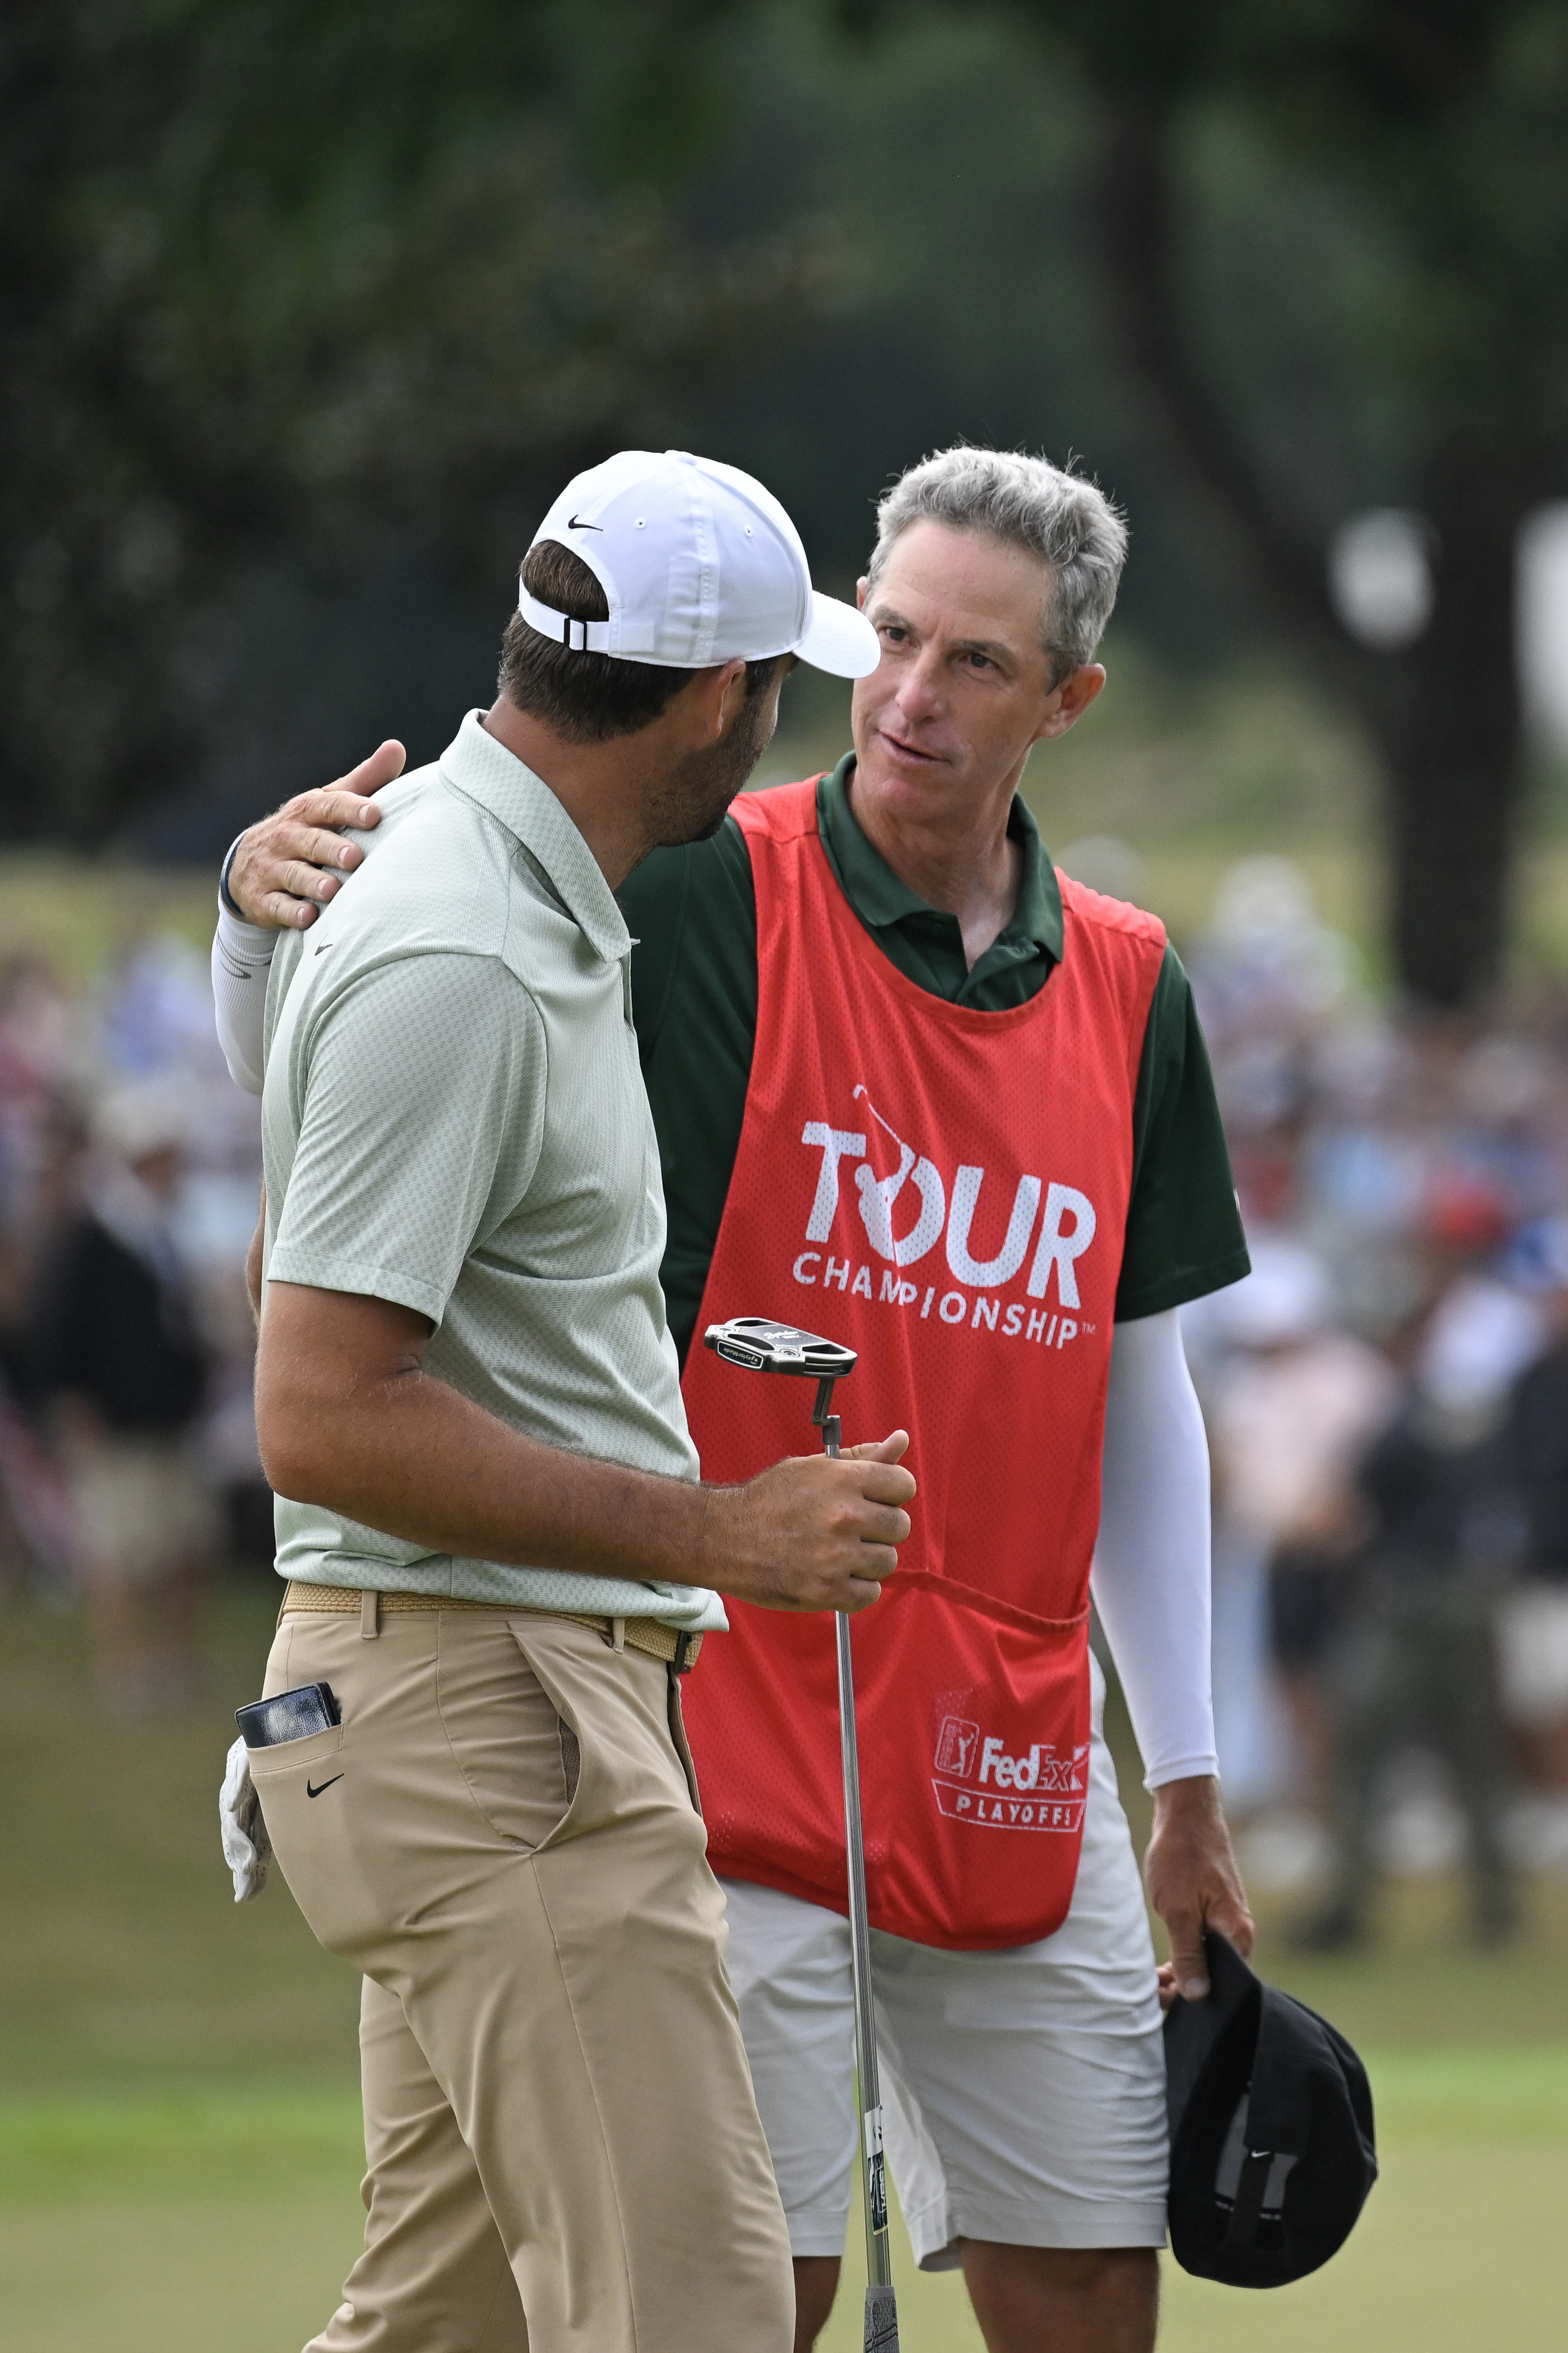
964, 687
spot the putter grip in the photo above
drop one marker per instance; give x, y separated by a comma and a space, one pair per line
882, 2320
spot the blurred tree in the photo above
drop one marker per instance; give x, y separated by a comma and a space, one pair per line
1445, 123
1429, 135
288, 277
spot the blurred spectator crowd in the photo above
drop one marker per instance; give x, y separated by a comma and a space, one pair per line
1386, 1394
130, 1166
1387, 1401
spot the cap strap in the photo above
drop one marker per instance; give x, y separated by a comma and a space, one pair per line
579, 636
1246, 2210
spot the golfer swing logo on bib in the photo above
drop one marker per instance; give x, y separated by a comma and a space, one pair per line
945, 1191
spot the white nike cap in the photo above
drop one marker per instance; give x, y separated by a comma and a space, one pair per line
700, 564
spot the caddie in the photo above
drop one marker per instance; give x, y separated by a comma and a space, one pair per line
499, 1555
919, 1091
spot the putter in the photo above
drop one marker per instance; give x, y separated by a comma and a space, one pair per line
762, 1347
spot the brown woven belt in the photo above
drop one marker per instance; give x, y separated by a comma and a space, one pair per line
646, 1634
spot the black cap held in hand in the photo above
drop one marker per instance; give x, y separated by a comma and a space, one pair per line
1272, 2150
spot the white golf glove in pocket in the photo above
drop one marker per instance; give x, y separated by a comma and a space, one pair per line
247, 1849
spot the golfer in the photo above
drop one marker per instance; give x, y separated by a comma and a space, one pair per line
916, 1089
499, 1555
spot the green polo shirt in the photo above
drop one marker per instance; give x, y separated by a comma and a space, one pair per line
693, 913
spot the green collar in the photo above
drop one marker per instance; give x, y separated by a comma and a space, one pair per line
881, 900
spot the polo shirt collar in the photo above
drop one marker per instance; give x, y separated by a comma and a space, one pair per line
483, 770
879, 898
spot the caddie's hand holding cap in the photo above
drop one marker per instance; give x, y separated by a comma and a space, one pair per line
1273, 2149
700, 565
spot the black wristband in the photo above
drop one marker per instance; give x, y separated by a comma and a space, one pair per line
223, 890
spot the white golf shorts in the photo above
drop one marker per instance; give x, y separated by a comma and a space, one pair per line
1023, 2091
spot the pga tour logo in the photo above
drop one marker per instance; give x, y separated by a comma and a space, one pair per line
1038, 1790
906, 1213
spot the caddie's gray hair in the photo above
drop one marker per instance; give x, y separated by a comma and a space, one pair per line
1067, 522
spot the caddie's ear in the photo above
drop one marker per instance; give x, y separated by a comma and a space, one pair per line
861, 586
1068, 702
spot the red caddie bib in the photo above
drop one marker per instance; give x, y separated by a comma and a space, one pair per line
945, 1190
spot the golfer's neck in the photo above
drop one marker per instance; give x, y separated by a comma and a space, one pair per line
602, 787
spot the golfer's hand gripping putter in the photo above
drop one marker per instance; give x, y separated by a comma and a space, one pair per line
760, 1346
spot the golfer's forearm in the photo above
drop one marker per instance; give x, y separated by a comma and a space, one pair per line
408, 1455
348, 1418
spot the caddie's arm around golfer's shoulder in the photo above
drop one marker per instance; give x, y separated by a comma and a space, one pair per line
276, 877
241, 963
284, 869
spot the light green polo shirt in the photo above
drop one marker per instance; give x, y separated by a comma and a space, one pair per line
454, 1119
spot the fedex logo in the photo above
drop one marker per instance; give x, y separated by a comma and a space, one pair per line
1046, 1791
959, 1739
1060, 1230
1026, 1772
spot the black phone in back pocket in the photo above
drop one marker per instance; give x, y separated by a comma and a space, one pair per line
291, 1715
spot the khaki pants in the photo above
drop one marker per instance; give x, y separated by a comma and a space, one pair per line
563, 2146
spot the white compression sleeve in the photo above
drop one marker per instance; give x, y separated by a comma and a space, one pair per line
1152, 1562
242, 957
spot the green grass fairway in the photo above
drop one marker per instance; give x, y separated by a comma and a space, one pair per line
115, 2279
170, 2226
179, 2132
1460, 2246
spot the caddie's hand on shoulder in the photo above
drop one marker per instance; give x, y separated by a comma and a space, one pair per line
293, 863
813, 1532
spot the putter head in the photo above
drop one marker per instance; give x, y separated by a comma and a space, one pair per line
763, 1346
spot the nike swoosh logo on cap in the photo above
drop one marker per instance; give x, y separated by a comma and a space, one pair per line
573, 525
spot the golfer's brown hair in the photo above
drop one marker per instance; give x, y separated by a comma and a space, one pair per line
585, 697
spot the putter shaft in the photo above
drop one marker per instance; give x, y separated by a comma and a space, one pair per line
881, 2307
